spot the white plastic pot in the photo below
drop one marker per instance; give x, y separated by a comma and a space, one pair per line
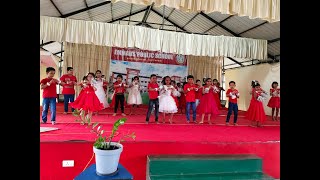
107, 160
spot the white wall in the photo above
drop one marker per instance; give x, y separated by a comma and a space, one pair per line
264, 73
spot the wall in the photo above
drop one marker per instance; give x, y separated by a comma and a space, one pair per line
264, 73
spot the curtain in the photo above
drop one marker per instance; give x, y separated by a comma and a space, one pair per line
268, 10
86, 58
125, 36
204, 66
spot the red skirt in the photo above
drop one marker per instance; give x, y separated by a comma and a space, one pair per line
217, 100
255, 111
207, 105
274, 102
182, 101
87, 100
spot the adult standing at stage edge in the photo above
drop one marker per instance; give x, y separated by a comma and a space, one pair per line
68, 81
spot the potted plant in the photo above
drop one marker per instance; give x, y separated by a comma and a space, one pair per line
107, 152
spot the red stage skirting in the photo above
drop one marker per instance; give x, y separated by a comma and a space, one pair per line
134, 155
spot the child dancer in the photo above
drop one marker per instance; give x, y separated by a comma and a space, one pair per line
199, 92
134, 97
207, 103
153, 89
216, 90
100, 84
87, 101
256, 112
274, 101
182, 99
119, 89
166, 101
233, 95
49, 95
190, 92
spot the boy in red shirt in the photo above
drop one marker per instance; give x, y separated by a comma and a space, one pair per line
233, 95
153, 89
49, 95
190, 90
119, 90
68, 81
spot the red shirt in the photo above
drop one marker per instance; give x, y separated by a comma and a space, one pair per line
153, 94
190, 95
68, 88
199, 93
234, 91
121, 89
49, 91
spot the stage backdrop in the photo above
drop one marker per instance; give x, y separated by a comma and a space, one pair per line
130, 62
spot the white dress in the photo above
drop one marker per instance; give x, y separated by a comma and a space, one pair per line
134, 96
101, 94
166, 101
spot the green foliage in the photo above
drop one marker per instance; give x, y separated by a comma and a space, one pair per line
102, 141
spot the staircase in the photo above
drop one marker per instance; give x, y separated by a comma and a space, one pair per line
205, 167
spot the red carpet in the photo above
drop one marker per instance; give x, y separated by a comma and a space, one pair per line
178, 138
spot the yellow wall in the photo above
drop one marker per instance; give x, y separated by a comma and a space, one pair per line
44, 75
264, 73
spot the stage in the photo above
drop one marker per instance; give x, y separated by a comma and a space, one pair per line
73, 141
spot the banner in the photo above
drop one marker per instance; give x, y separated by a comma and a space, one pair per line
130, 62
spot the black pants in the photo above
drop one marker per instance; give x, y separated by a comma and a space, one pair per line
119, 97
232, 107
154, 102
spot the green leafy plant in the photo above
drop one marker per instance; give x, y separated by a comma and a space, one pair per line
102, 141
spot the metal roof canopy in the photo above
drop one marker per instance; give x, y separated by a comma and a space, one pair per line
168, 19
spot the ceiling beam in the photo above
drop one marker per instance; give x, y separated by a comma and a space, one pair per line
58, 52
148, 22
130, 13
168, 20
111, 11
43, 44
146, 14
190, 20
273, 40
253, 27
85, 9
170, 12
56, 7
220, 23
235, 61
123, 17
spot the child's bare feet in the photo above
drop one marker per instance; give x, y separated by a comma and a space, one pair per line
123, 114
114, 114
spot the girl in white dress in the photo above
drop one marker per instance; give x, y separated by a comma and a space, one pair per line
101, 85
166, 101
134, 97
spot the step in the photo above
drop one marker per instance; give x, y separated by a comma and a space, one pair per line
159, 165
222, 176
